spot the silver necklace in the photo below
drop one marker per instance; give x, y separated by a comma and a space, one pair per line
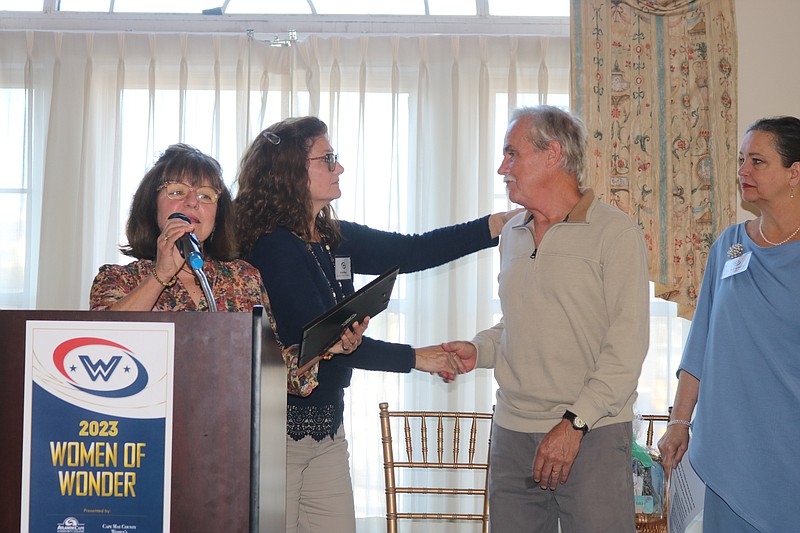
784, 241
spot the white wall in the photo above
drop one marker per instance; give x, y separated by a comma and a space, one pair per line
769, 62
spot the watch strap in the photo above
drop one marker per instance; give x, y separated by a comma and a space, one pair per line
576, 421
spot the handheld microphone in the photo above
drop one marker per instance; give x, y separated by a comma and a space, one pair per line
188, 245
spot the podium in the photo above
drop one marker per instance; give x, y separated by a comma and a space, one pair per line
229, 418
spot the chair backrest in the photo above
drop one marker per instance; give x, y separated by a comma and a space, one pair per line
651, 420
433, 440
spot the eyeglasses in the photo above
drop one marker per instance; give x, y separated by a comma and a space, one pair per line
330, 158
178, 191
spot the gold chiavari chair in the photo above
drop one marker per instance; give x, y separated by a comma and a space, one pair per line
435, 441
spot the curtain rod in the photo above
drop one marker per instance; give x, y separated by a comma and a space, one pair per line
304, 25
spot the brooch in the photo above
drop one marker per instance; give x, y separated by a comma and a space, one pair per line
735, 250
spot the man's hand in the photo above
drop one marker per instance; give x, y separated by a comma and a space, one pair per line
465, 356
555, 455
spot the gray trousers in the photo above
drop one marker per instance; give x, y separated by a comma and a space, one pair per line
597, 497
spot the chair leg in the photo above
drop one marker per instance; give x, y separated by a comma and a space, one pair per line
388, 469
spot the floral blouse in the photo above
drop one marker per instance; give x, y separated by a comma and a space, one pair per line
236, 286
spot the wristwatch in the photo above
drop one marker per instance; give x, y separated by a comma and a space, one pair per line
576, 421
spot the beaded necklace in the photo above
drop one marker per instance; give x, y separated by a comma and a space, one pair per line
322, 270
784, 241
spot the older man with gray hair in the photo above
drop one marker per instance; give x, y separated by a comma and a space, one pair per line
569, 348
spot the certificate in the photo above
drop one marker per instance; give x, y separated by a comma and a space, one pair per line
324, 331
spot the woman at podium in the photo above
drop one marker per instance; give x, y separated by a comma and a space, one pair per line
187, 181
287, 228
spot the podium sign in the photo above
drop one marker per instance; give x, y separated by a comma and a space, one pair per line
97, 447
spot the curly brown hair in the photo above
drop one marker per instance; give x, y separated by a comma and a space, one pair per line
189, 163
273, 185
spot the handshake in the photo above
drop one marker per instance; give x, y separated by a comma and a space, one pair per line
448, 359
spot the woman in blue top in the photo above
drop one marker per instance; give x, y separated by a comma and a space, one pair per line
288, 230
741, 364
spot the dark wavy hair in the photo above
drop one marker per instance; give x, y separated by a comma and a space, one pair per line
273, 187
179, 161
785, 136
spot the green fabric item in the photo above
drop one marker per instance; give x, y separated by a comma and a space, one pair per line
641, 454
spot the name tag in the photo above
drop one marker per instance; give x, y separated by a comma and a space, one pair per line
737, 265
342, 265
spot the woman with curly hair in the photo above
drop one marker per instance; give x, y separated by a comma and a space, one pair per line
287, 229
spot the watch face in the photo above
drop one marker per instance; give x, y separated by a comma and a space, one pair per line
576, 421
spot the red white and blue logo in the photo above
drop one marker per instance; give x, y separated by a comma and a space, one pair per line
100, 367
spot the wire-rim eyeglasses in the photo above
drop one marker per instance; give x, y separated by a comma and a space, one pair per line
330, 158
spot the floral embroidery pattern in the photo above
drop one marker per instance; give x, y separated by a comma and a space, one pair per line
656, 86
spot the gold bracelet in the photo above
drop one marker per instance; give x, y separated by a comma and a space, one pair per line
169, 283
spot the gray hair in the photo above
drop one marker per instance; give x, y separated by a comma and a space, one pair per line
551, 124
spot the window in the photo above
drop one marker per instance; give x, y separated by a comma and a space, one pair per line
21, 5
16, 202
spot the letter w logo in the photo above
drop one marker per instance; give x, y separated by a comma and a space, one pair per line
99, 368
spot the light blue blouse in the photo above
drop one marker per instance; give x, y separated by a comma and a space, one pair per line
744, 346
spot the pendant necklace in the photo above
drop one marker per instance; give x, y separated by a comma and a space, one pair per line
211, 276
784, 241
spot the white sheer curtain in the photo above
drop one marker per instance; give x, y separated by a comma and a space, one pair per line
88, 114
417, 121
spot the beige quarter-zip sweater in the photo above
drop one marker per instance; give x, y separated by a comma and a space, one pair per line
575, 326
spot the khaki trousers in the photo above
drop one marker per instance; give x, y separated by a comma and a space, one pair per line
319, 493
